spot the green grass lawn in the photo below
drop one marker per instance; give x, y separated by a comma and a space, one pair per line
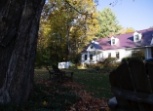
95, 82
89, 90
41, 74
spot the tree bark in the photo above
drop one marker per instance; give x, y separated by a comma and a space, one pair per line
19, 24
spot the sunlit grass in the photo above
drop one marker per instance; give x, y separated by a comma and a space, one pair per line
95, 82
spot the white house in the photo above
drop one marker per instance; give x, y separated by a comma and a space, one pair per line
119, 46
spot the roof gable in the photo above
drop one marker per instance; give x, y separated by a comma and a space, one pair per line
93, 46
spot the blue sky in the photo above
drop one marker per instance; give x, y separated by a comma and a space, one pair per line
137, 14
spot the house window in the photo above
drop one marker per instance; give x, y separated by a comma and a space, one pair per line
113, 41
117, 55
109, 55
91, 57
85, 57
91, 47
137, 37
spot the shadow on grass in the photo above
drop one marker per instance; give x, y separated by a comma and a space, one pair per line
53, 96
68, 96
78, 95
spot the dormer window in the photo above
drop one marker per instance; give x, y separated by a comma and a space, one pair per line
137, 37
114, 41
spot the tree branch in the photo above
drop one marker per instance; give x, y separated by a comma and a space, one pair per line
75, 8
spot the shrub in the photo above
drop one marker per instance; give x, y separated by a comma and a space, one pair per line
109, 62
94, 66
138, 54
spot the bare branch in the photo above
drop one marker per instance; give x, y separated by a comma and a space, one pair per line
75, 8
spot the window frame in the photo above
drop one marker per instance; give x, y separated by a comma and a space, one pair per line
85, 57
113, 41
109, 55
117, 55
91, 57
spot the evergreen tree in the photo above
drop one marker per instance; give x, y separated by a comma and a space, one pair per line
108, 23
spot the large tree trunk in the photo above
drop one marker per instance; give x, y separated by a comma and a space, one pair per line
19, 24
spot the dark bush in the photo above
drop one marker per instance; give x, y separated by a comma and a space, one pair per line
138, 54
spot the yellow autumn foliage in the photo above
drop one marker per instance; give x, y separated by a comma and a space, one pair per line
69, 24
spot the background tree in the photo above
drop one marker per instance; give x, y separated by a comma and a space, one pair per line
19, 24
108, 23
84, 28
126, 30
68, 26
